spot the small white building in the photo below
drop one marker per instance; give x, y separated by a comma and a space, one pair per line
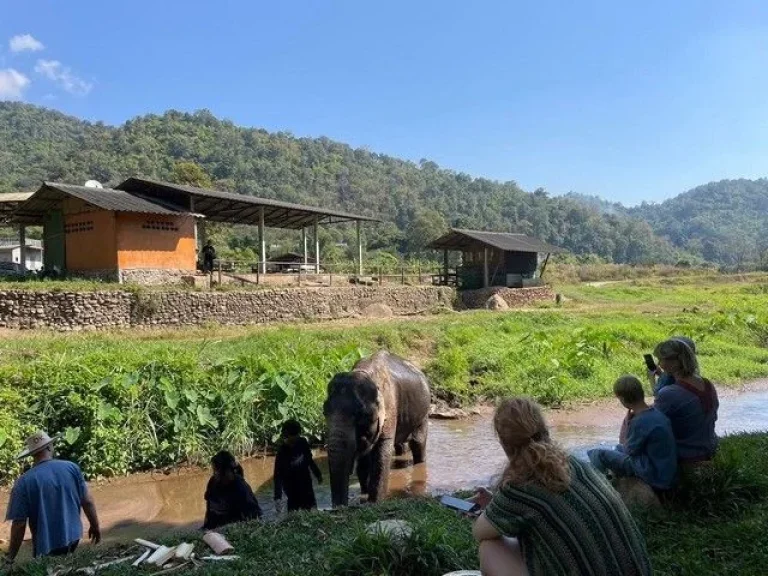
12, 253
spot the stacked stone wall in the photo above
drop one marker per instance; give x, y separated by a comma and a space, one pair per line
23, 309
514, 297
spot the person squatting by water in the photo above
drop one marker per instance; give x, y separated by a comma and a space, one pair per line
292, 470
49, 496
228, 497
551, 513
647, 446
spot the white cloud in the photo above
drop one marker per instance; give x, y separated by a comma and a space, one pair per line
62, 75
12, 84
25, 43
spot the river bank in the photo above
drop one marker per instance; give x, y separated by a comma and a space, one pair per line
462, 454
718, 528
130, 402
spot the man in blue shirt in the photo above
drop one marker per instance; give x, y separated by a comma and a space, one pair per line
649, 450
49, 497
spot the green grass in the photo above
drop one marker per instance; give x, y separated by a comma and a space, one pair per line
171, 393
717, 528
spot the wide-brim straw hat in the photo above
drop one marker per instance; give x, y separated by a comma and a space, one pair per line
38, 441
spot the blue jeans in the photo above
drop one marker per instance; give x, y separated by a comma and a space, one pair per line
617, 461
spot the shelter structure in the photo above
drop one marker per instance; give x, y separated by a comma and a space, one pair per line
492, 259
150, 231
8, 204
291, 262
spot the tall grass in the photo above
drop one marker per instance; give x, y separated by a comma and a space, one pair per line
133, 401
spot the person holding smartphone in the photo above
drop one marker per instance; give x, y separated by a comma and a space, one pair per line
657, 377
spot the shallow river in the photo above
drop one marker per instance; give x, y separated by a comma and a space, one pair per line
460, 454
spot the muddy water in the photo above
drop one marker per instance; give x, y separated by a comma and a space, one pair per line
461, 454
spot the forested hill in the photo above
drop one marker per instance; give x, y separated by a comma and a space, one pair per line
724, 222
418, 200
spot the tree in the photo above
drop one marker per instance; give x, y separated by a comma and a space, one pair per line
191, 174
427, 225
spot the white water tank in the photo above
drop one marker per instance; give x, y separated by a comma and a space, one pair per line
93, 184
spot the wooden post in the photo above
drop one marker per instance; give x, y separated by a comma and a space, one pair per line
419, 269
445, 267
317, 247
359, 251
219, 272
23, 248
485, 268
301, 268
304, 240
380, 278
262, 242
544, 266
402, 273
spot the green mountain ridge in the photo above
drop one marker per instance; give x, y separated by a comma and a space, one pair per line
417, 201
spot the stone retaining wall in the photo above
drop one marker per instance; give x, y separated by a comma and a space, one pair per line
108, 309
154, 277
514, 297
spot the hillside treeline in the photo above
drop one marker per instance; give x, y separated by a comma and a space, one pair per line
417, 201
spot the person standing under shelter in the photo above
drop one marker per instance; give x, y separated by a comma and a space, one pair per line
49, 497
209, 255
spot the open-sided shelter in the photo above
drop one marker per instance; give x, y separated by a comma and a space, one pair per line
492, 259
144, 229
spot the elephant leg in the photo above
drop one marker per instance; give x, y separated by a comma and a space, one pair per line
418, 443
364, 472
381, 459
399, 449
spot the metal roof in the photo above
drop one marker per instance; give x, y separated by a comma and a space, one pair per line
9, 201
235, 208
459, 239
50, 194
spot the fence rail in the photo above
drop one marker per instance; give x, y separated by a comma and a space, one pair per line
287, 273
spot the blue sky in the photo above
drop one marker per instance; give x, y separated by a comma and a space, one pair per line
627, 100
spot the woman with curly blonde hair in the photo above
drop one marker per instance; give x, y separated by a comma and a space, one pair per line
551, 513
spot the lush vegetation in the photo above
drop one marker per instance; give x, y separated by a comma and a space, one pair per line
132, 401
716, 527
417, 201
724, 222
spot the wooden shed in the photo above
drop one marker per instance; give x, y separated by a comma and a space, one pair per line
492, 259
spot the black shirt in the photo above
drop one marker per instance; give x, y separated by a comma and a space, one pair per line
229, 503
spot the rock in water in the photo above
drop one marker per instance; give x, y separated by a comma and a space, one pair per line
496, 302
378, 310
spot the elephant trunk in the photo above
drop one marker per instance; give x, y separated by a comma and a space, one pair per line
342, 448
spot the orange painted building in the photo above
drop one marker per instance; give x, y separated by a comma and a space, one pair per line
111, 234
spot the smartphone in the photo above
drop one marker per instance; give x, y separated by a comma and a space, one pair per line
458, 504
649, 362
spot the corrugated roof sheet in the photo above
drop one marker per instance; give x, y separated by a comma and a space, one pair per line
458, 239
8, 197
235, 208
50, 194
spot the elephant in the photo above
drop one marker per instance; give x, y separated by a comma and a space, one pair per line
380, 405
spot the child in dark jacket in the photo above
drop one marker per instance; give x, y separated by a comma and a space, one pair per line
228, 497
647, 448
292, 469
